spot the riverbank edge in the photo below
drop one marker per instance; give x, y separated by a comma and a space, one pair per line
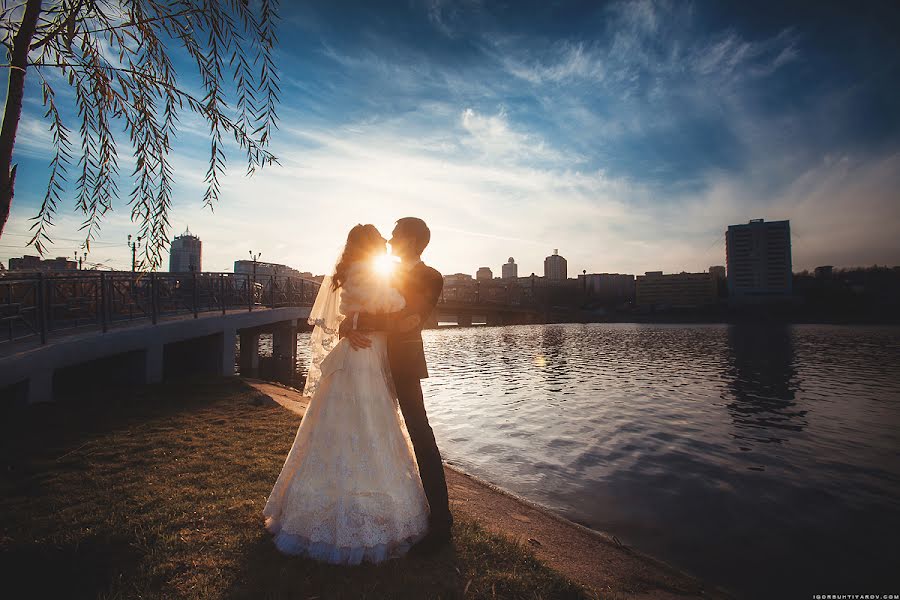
594, 559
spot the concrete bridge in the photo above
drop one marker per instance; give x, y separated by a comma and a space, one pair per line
69, 331
464, 312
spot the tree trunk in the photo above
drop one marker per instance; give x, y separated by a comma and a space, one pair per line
18, 63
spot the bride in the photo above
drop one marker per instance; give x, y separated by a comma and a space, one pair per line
350, 490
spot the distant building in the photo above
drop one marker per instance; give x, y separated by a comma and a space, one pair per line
718, 272
458, 279
555, 267
458, 287
510, 269
34, 263
676, 290
267, 269
720, 276
186, 253
824, 272
484, 273
608, 287
758, 255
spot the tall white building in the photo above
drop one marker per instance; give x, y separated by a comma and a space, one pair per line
510, 269
185, 253
555, 267
758, 260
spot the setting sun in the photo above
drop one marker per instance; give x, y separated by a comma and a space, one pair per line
384, 264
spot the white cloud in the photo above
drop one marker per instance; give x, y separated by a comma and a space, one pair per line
493, 137
33, 138
563, 62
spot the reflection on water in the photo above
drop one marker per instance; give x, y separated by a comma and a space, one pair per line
763, 459
762, 384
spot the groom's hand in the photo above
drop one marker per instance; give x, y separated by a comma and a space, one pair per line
358, 340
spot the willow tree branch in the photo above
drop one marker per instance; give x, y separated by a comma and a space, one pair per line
70, 18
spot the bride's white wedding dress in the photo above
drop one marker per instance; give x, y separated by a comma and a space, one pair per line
349, 490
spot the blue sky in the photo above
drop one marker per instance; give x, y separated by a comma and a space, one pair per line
626, 134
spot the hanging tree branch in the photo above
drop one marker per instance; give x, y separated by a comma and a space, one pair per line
119, 59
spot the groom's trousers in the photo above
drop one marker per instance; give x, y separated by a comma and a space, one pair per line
431, 470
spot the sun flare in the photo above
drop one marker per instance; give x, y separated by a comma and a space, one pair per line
384, 264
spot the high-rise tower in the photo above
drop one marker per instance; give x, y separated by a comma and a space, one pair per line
185, 253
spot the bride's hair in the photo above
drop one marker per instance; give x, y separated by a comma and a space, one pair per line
363, 242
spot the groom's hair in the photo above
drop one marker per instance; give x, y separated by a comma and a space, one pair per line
416, 227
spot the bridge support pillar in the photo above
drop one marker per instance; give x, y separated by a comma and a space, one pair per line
284, 350
249, 353
40, 387
154, 363
464, 320
228, 351
494, 319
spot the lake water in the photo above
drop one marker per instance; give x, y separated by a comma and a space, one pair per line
762, 458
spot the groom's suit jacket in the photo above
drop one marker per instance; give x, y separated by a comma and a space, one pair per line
421, 287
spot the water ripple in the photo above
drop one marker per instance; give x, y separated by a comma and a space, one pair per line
683, 440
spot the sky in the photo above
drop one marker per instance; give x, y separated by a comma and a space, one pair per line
628, 135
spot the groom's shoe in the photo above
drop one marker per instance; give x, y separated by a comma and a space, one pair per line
433, 542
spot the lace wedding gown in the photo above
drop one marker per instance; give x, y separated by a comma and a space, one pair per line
350, 490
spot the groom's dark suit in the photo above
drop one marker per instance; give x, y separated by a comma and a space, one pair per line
421, 286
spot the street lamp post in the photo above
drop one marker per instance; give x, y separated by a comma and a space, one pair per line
134, 246
254, 258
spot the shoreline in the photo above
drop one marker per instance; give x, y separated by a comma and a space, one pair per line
688, 321
593, 559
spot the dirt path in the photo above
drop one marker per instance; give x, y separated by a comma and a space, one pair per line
590, 558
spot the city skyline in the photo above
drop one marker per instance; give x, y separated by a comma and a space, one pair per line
629, 135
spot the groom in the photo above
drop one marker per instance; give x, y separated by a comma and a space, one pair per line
421, 286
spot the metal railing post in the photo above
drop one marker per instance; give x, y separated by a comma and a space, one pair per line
222, 291
42, 307
131, 298
9, 323
250, 294
103, 315
194, 298
153, 308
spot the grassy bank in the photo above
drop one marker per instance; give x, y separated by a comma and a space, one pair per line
157, 492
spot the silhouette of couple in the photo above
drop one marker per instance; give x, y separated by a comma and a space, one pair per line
363, 480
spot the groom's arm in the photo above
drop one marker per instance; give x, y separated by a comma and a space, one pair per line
418, 308
357, 326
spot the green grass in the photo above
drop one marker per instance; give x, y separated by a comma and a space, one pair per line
157, 492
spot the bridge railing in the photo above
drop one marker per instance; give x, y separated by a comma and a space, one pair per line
37, 305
